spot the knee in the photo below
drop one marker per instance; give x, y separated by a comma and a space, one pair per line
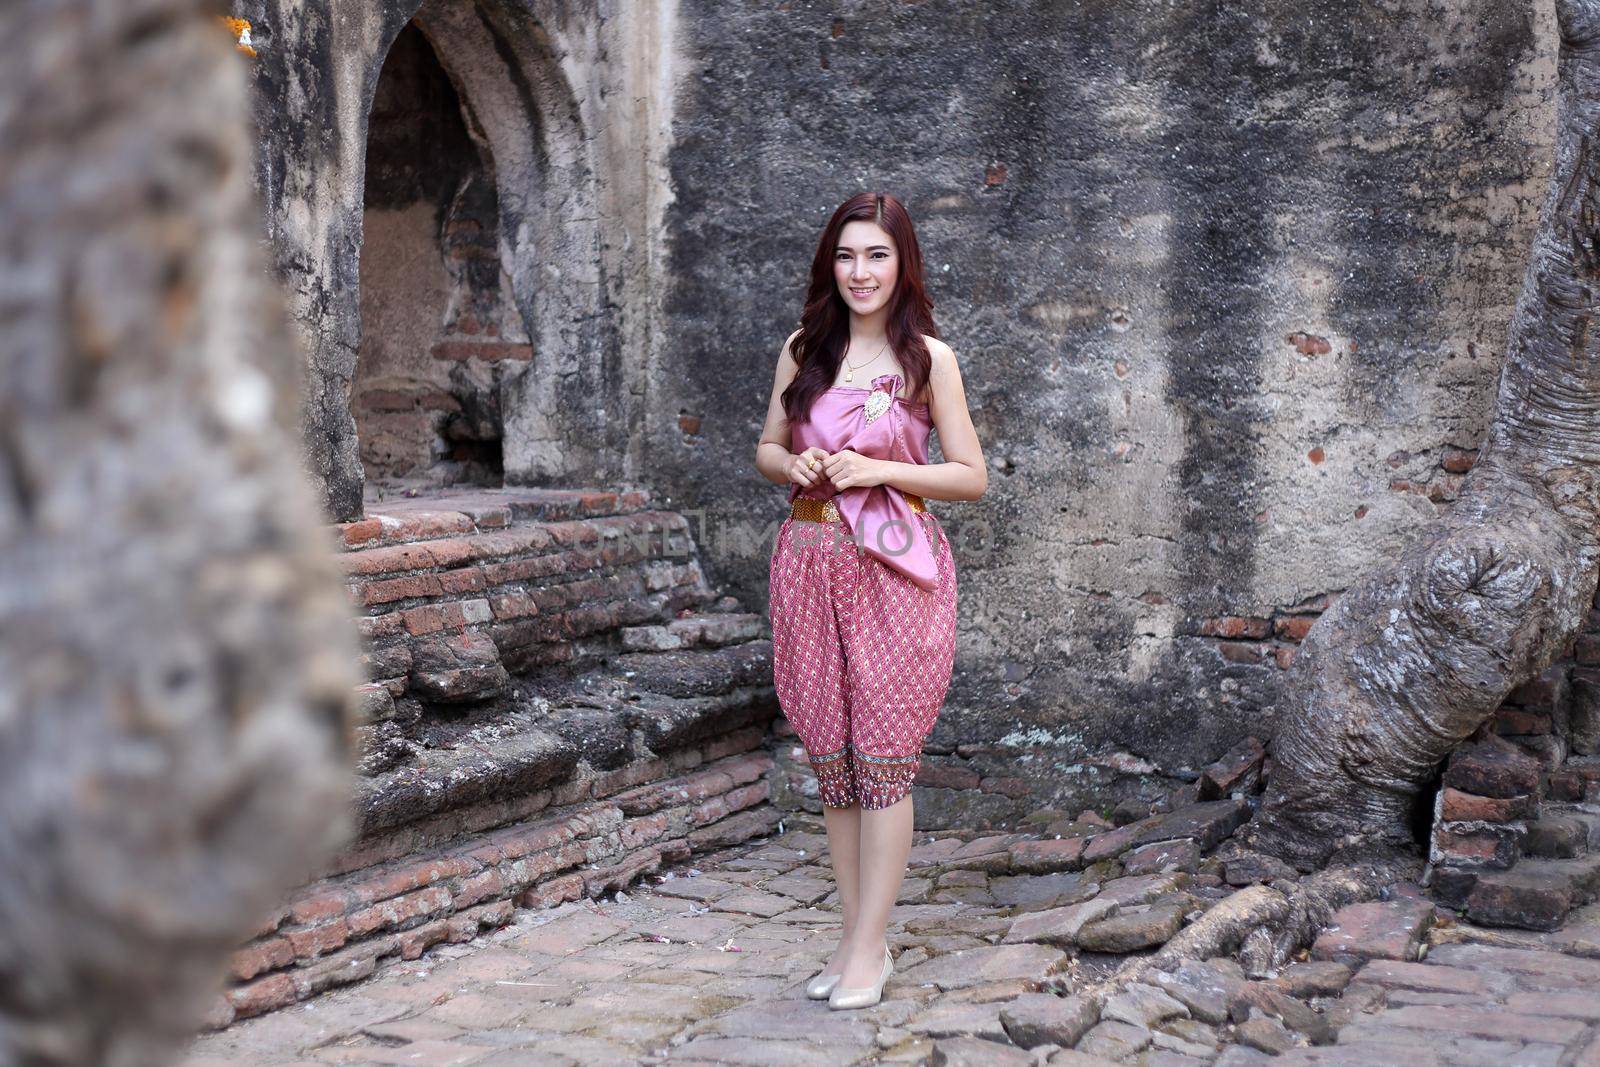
883, 781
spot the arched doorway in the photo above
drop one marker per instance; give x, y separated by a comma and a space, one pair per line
439, 321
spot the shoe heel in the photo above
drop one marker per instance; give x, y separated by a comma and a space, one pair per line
843, 999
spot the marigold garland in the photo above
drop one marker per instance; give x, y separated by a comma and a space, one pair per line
240, 28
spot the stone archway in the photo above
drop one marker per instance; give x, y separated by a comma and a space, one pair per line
438, 318
524, 383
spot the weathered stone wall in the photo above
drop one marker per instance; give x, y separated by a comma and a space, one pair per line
562, 103
1229, 288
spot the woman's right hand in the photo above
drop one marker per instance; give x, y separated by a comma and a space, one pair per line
805, 469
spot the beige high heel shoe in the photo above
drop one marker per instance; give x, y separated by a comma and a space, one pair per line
821, 985
841, 998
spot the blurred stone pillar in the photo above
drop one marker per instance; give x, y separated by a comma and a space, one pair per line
175, 648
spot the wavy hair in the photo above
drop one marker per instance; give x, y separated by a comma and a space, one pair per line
825, 321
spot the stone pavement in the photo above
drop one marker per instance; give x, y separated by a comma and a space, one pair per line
1000, 941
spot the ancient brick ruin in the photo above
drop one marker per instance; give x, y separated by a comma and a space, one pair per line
524, 253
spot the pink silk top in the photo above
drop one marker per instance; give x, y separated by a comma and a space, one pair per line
877, 517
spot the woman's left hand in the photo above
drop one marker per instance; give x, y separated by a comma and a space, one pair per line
849, 469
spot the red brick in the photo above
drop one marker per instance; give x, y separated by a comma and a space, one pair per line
411, 587
1309, 344
1521, 721
409, 876
360, 532
635, 773
747, 796
940, 776
414, 942
696, 787
432, 618
481, 886
380, 627
751, 737
313, 942
324, 904
1565, 785
519, 841
1283, 657
622, 873
530, 869
1456, 806
1542, 693
1375, 930
391, 559
1235, 626
261, 957
425, 525
1458, 460
555, 891
746, 768
262, 996
708, 811
1238, 652
399, 910
643, 830
1495, 847
1293, 627
517, 604
485, 915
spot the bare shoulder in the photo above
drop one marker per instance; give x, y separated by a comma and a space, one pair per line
787, 367
942, 356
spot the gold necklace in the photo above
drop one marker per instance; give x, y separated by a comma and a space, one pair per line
849, 375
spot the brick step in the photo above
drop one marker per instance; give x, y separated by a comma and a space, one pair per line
539, 853
1536, 894
1563, 832
458, 592
549, 732
443, 512
692, 628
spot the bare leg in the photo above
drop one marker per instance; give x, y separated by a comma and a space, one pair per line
844, 850
885, 849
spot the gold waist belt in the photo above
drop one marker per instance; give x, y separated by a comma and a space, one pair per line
827, 511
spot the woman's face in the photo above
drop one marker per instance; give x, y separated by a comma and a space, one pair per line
865, 266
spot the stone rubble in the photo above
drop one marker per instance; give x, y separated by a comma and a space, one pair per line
1003, 942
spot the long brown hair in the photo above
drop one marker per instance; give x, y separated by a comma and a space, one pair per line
825, 322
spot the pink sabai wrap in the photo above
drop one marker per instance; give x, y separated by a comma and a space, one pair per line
877, 517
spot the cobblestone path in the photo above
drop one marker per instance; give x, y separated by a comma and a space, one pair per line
706, 965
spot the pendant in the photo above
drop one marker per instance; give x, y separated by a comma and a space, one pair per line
878, 402
848, 376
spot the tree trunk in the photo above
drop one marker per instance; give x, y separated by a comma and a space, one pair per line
177, 652
1411, 661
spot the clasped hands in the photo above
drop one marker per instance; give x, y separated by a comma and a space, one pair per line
845, 469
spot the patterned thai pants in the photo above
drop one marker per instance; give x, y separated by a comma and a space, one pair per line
861, 658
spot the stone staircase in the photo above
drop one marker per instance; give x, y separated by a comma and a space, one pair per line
558, 703
1503, 851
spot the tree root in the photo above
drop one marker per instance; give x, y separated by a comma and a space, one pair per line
1289, 921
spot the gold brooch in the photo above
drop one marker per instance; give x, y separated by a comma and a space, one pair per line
877, 403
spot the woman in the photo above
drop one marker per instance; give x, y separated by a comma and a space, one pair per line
863, 585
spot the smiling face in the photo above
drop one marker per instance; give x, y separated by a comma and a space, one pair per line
865, 266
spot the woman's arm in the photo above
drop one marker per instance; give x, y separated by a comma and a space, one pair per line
773, 458
962, 475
